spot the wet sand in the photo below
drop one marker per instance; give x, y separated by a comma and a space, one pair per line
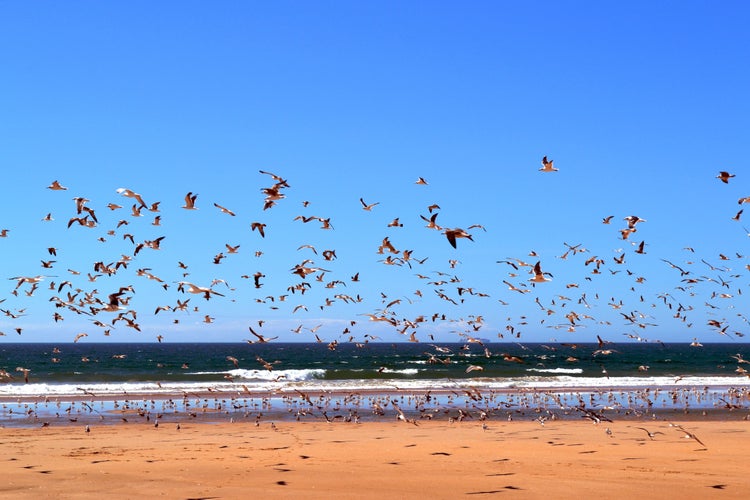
440, 459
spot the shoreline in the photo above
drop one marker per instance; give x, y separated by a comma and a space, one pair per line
292, 404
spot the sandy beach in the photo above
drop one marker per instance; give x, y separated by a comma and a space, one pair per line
439, 459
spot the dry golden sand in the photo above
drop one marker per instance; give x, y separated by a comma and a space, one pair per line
561, 459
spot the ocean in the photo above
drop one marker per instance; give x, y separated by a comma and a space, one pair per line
672, 376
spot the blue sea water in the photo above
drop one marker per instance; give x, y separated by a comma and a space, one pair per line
629, 376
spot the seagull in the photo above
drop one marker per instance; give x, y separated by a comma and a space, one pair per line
303, 271
367, 207
650, 434
279, 180
190, 201
514, 359
431, 221
27, 279
633, 220
268, 366
724, 177
197, 289
25, 373
401, 416
452, 234
55, 186
538, 274
260, 227
420, 180
547, 165
223, 209
131, 194
261, 338
512, 287
690, 435
114, 301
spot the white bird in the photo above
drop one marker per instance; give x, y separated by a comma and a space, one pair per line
538, 274
223, 209
191, 288
132, 194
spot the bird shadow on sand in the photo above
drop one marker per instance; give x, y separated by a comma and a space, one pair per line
492, 492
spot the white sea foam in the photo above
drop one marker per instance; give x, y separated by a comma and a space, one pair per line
288, 375
405, 371
310, 380
560, 383
555, 370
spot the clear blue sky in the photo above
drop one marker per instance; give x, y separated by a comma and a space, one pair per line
639, 104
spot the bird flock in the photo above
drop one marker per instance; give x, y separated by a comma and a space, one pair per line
428, 300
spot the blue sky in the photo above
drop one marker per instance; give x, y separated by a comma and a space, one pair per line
640, 105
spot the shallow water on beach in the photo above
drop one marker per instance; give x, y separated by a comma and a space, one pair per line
469, 402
